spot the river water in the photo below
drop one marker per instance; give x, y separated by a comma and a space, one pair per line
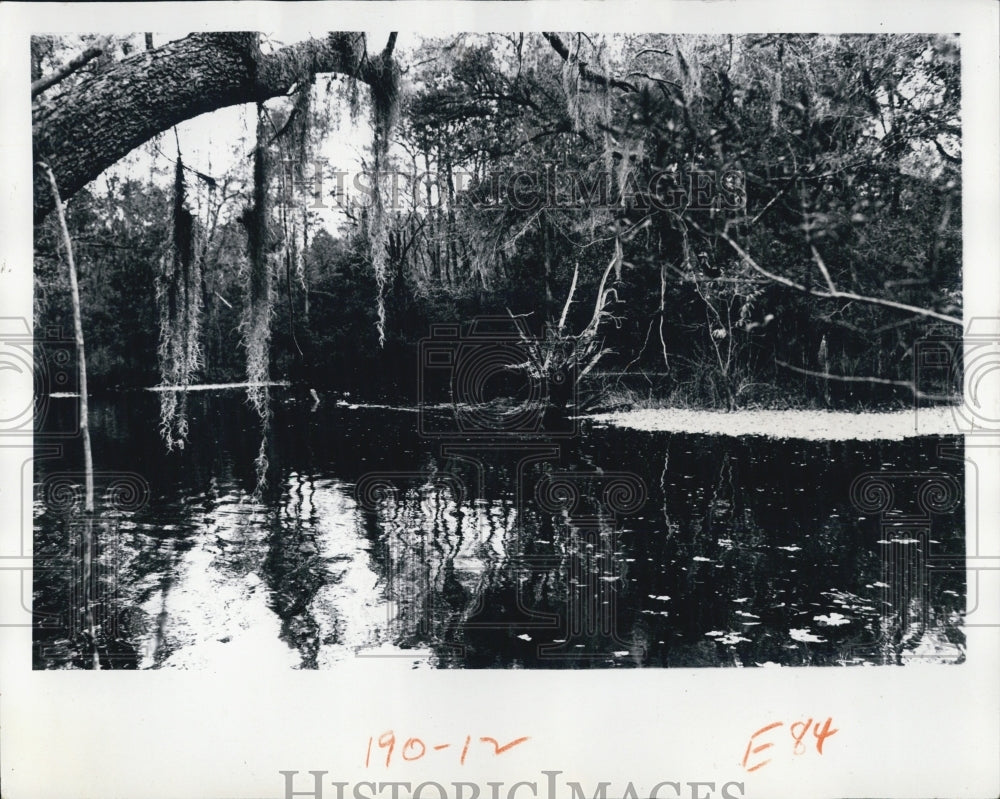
603, 548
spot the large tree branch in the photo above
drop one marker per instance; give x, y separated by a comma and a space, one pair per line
82, 131
586, 72
390, 45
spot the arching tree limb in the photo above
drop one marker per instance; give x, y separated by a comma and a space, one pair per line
586, 72
83, 131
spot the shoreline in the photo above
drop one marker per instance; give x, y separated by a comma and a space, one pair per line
812, 425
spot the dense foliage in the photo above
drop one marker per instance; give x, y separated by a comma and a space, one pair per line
827, 175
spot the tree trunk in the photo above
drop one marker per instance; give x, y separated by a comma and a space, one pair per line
87, 549
432, 245
83, 130
547, 248
305, 267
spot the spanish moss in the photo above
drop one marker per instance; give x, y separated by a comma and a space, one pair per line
385, 109
179, 302
258, 307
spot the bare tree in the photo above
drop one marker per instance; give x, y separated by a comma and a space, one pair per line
88, 459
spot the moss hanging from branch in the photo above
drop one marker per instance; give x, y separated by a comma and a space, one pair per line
295, 147
383, 78
270, 246
571, 87
179, 303
587, 90
302, 154
385, 97
258, 306
301, 119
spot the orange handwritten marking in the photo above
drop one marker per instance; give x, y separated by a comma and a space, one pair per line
411, 744
822, 735
415, 748
501, 749
387, 740
762, 730
800, 747
798, 730
752, 750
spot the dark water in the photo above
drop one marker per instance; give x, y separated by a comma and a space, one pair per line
611, 548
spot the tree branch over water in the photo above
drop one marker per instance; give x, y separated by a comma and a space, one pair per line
86, 129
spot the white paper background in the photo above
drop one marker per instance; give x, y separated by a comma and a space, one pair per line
913, 731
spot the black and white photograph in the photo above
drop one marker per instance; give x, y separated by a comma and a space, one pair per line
419, 351
541, 350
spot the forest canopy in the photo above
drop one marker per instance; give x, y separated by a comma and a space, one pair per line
704, 220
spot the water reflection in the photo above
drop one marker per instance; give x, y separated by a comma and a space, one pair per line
621, 548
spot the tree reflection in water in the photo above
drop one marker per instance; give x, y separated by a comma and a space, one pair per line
370, 542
